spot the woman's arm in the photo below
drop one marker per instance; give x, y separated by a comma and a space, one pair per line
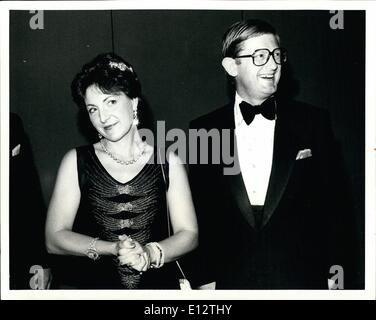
182, 213
60, 239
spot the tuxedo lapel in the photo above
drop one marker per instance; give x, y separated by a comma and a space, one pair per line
235, 183
284, 153
286, 144
240, 196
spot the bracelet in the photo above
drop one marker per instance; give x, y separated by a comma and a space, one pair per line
92, 251
161, 252
158, 253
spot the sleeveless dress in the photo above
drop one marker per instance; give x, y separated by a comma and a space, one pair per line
109, 208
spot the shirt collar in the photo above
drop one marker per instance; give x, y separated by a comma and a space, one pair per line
237, 113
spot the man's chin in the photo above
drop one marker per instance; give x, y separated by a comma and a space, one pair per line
270, 92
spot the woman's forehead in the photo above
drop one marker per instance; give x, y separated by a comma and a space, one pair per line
95, 92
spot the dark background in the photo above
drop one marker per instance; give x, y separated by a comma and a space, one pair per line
177, 55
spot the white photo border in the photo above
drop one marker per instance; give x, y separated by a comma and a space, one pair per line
370, 146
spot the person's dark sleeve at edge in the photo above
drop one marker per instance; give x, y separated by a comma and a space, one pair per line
27, 210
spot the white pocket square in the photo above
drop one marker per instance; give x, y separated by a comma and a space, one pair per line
16, 150
302, 154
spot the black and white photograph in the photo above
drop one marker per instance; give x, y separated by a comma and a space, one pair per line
219, 149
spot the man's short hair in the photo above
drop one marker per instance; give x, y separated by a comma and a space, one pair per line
241, 31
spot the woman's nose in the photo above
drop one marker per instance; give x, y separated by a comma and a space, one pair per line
103, 115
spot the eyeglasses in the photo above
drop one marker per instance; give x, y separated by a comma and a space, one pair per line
261, 56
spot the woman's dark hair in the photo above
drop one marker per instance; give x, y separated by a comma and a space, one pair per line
110, 74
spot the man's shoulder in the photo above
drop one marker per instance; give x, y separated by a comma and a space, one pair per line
16, 124
303, 111
305, 119
15, 118
218, 118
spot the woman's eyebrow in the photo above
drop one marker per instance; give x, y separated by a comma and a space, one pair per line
111, 96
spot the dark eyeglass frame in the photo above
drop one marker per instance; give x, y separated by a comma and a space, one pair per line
283, 52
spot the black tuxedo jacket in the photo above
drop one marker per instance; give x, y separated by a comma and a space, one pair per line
303, 223
27, 211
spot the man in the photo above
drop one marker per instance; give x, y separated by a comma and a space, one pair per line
27, 254
274, 225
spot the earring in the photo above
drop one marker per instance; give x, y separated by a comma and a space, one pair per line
135, 118
100, 136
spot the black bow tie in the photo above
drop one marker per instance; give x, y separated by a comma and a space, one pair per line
266, 109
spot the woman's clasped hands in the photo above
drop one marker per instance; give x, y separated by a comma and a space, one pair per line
133, 254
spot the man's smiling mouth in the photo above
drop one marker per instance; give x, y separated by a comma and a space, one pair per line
267, 76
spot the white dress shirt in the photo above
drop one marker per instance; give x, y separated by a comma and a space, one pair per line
255, 150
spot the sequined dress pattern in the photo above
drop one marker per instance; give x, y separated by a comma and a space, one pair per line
110, 208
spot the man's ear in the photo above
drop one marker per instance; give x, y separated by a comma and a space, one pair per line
230, 66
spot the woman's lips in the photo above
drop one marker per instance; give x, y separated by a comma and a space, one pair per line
109, 127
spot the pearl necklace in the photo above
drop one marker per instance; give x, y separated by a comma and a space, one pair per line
122, 162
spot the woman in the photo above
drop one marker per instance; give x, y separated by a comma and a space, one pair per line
108, 208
